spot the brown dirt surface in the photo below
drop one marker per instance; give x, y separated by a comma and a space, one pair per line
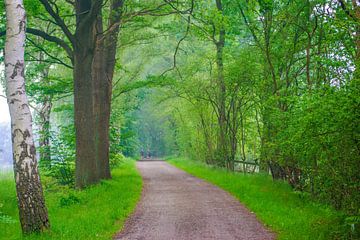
178, 206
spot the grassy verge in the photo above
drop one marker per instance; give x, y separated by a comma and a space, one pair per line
97, 212
291, 215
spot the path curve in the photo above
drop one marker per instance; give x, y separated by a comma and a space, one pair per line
178, 206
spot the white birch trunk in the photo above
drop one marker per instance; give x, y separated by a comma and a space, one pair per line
32, 210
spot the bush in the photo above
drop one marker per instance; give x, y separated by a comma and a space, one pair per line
320, 136
69, 200
62, 164
116, 160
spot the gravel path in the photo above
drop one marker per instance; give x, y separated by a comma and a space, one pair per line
177, 206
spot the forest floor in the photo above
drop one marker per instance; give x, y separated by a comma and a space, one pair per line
176, 205
290, 214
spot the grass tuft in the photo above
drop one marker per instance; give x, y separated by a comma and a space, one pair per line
97, 212
290, 214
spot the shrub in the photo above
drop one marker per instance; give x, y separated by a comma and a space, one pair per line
116, 159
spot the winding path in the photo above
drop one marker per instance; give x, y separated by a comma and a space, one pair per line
178, 206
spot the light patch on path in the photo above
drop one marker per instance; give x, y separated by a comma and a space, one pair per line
178, 206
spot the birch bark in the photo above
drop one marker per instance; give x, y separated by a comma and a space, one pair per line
32, 210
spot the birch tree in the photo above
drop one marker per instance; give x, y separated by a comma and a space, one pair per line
31, 204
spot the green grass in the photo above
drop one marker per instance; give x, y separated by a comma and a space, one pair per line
291, 215
97, 212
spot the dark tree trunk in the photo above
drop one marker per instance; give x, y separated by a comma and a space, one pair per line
104, 64
356, 8
209, 156
93, 56
101, 128
84, 100
277, 171
223, 156
94, 62
86, 164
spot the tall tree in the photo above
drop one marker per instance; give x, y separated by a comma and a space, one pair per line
31, 203
92, 90
221, 95
106, 49
92, 49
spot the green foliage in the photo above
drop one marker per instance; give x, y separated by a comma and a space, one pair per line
122, 133
320, 136
117, 160
353, 223
291, 216
97, 212
48, 87
5, 219
69, 200
61, 166
154, 128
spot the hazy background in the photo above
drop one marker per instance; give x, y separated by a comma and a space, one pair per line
5, 133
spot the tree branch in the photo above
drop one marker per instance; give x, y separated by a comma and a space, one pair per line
57, 60
60, 22
346, 10
53, 39
49, 38
178, 46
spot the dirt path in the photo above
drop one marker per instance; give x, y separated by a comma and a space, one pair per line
177, 206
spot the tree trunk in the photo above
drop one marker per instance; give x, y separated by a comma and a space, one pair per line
105, 64
243, 136
221, 98
233, 127
356, 8
84, 53
91, 95
101, 128
44, 141
93, 73
207, 136
308, 62
86, 161
93, 58
44, 121
31, 203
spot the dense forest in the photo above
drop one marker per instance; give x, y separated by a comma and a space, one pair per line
256, 87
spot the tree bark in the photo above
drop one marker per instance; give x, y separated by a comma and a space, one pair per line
44, 141
105, 64
93, 55
208, 140
221, 98
44, 121
101, 131
86, 164
31, 203
84, 101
